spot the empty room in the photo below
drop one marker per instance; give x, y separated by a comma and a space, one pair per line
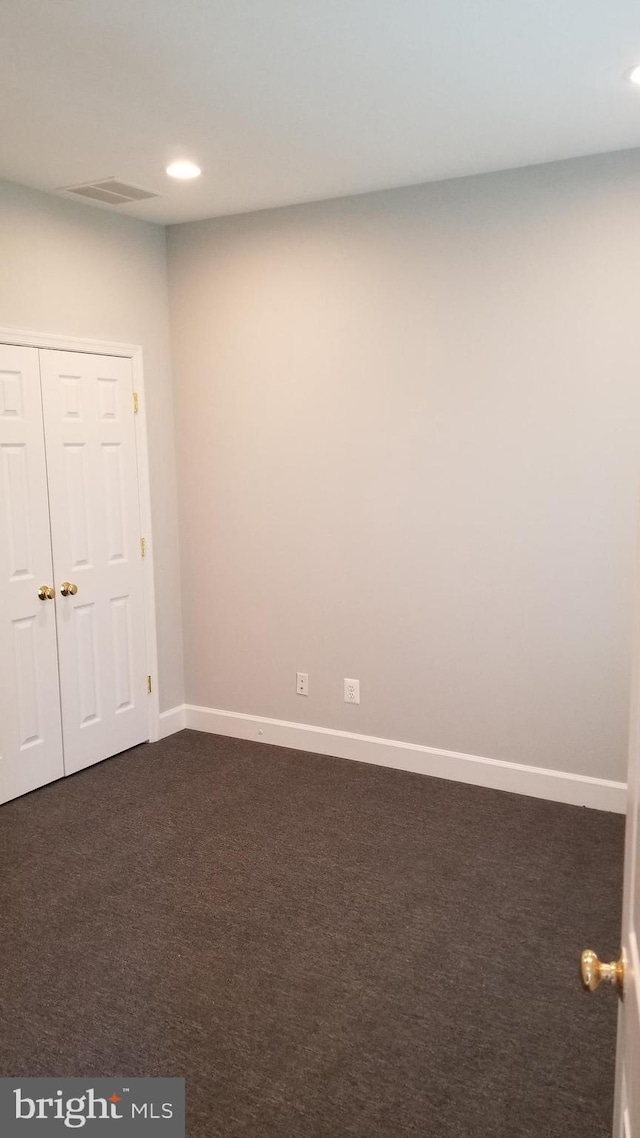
319, 520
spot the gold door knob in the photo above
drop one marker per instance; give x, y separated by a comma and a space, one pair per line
593, 972
45, 593
68, 590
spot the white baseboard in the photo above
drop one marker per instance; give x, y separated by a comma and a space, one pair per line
537, 782
175, 719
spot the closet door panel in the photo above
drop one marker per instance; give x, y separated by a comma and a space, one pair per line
95, 523
30, 732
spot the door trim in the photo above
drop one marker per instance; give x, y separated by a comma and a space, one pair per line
132, 352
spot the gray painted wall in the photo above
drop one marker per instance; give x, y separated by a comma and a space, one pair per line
78, 271
409, 445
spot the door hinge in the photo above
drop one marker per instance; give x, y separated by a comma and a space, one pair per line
135, 403
149, 683
143, 546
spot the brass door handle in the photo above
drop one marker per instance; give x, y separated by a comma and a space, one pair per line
46, 593
68, 590
593, 972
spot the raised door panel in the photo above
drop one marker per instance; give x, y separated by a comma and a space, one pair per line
91, 458
30, 731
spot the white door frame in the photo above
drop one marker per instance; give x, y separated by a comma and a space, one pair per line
132, 352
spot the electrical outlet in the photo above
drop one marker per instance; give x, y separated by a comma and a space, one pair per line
302, 683
352, 691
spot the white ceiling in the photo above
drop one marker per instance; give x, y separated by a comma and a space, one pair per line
285, 101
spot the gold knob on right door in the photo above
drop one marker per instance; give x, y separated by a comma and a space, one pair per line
593, 972
68, 590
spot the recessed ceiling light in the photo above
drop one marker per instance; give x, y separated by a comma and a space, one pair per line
634, 75
183, 169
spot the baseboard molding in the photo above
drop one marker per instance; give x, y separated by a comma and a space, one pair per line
536, 782
175, 719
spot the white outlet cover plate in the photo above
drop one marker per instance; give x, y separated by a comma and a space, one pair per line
351, 691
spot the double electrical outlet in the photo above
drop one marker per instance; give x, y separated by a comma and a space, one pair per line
351, 687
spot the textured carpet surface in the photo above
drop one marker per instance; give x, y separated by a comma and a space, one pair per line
320, 947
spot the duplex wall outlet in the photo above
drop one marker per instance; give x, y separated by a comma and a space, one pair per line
302, 683
352, 691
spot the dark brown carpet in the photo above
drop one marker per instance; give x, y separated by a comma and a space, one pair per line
321, 947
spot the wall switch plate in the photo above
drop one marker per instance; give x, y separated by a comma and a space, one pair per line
352, 691
302, 683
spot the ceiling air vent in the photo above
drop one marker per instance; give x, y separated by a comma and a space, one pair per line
111, 191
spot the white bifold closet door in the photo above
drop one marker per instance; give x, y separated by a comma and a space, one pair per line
30, 730
73, 685
95, 530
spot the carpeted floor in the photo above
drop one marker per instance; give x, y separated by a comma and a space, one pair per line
322, 948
